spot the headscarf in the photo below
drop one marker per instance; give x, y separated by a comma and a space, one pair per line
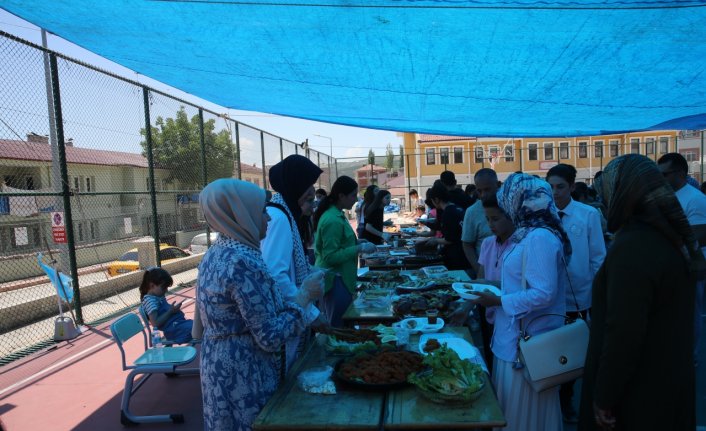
633, 188
291, 178
234, 208
528, 202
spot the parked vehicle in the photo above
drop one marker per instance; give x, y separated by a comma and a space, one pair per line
128, 262
199, 244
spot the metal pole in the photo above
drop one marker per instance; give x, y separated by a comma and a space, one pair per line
281, 150
237, 151
55, 164
262, 152
68, 216
204, 171
336, 163
318, 163
150, 170
406, 165
701, 156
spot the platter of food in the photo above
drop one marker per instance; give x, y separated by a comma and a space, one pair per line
467, 290
416, 304
385, 369
448, 378
436, 271
416, 285
431, 342
420, 325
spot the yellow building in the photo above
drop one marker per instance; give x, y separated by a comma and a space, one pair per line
429, 155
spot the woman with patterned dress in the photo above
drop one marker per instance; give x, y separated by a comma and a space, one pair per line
245, 319
538, 249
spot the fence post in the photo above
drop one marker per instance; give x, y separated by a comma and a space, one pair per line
204, 172
238, 166
406, 165
318, 163
262, 153
66, 193
281, 150
150, 170
335, 161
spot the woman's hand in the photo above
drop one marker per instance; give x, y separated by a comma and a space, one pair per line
487, 299
313, 285
604, 417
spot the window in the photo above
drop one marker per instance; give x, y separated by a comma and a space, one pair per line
663, 144
598, 151
79, 231
165, 185
532, 151
431, 156
690, 156
93, 226
458, 155
549, 151
479, 154
583, 150
563, 150
509, 153
634, 145
77, 184
89, 184
147, 183
649, 145
614, 148
444, 156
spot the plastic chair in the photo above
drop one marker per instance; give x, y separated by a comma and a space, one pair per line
150, 362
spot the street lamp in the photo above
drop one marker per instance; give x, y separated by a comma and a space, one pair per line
330, 141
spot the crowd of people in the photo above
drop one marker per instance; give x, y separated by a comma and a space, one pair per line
623, 254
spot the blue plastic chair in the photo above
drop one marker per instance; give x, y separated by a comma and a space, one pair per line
150, 362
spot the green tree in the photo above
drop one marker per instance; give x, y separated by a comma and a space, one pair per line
176, 146
371, 157
389, 157
401, 156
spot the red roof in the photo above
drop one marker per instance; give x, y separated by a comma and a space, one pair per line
250, 169
441, 138
23, 150
375, 168
398, 181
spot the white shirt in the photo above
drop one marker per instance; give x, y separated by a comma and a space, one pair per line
545, 277
693, 202
582, 224
278, 253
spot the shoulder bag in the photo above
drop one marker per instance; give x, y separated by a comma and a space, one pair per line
554, 357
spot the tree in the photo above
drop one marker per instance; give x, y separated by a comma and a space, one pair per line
401, 156
389, 157
176, 146
371, 157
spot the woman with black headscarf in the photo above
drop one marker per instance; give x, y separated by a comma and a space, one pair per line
639, 372
293, 180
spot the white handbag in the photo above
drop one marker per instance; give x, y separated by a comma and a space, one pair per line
556, 356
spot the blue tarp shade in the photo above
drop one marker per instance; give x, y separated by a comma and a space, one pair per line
484, 68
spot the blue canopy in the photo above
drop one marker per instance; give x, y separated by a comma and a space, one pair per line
463, 67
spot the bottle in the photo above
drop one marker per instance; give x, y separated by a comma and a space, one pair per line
156, 338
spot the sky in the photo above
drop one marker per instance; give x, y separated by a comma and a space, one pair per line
344, 141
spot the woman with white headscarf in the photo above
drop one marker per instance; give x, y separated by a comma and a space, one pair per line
245, 319
537, 254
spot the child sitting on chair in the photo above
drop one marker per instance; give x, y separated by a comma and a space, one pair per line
168, 318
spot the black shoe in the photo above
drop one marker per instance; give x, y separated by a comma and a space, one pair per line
570, 418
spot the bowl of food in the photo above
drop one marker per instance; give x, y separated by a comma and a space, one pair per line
447, 379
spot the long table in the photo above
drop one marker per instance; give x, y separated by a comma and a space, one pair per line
290, 408
373, 315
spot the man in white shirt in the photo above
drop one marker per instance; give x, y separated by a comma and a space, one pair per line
582, 224
675, 170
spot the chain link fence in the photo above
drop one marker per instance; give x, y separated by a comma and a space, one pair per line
102, 174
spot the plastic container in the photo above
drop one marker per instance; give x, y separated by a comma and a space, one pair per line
156, 338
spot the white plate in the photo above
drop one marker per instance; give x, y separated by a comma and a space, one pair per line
465, 290
422, 325
362, 271
464, 349
399, 253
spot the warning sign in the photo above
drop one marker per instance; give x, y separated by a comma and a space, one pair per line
58, 227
